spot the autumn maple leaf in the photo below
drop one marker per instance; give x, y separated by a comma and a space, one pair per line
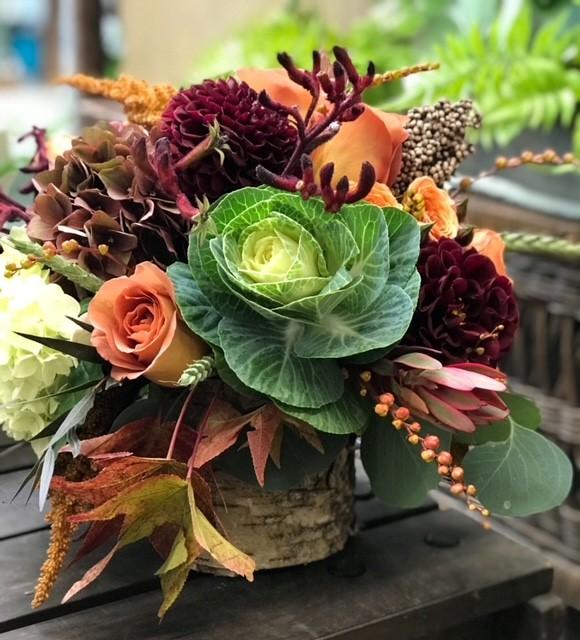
148, 437
155, 502
266, 426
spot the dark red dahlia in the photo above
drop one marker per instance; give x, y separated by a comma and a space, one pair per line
250, 134
465, 310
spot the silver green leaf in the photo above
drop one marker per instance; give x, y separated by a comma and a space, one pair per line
520, 476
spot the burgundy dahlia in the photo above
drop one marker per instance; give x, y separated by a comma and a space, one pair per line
250, 134
466, 310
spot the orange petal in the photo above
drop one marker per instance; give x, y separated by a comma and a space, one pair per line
430, 204
381, 195
490, 244
374, 137
184, 349
277, 85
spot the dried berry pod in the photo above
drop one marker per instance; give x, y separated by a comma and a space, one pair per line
437, 142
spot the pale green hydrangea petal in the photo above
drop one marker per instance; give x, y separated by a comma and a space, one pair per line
29, 303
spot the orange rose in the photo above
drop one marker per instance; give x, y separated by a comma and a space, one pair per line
381, 195
375, 136
429, 204
490, 244
138, 330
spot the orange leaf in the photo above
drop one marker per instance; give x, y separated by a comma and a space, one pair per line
266, 422
148, 438
156, 503
221, 433
115, 478
216, 545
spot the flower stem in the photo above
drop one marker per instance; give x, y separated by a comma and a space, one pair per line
179, 422
200, 431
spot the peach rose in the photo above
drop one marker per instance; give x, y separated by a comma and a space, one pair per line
381, 195
375, 136
429, 204
138, 330
490, 244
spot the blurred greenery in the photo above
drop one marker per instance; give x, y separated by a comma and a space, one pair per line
387, 35
522, 69
518, 59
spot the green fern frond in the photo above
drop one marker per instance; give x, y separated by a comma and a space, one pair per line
518, 79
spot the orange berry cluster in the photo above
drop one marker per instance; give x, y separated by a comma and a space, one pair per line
549, 156
72, 246
430, 451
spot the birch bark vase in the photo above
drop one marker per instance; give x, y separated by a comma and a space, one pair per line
287, 528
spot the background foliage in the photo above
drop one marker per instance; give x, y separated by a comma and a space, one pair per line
518, 59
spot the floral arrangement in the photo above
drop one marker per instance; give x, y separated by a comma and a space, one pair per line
248, 261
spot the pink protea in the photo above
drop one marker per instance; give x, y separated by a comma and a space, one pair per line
460, 396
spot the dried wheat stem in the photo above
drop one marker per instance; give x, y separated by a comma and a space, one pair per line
398, 74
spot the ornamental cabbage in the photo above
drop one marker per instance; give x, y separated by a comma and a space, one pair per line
283, 291
30, 372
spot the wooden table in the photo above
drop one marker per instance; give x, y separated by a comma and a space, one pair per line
407, 576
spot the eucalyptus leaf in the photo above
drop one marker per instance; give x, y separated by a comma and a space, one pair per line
523, 475
398, 475
522, 410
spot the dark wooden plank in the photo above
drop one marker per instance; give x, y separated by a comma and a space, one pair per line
408, 590
543, 618
131, 571
16, 515
14, 457
4, 439
372, 512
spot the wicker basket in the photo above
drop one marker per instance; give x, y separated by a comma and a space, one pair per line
287, 528
545, 365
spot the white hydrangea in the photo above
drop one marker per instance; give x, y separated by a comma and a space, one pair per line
29, 303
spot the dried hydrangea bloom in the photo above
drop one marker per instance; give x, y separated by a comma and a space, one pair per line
104, 204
